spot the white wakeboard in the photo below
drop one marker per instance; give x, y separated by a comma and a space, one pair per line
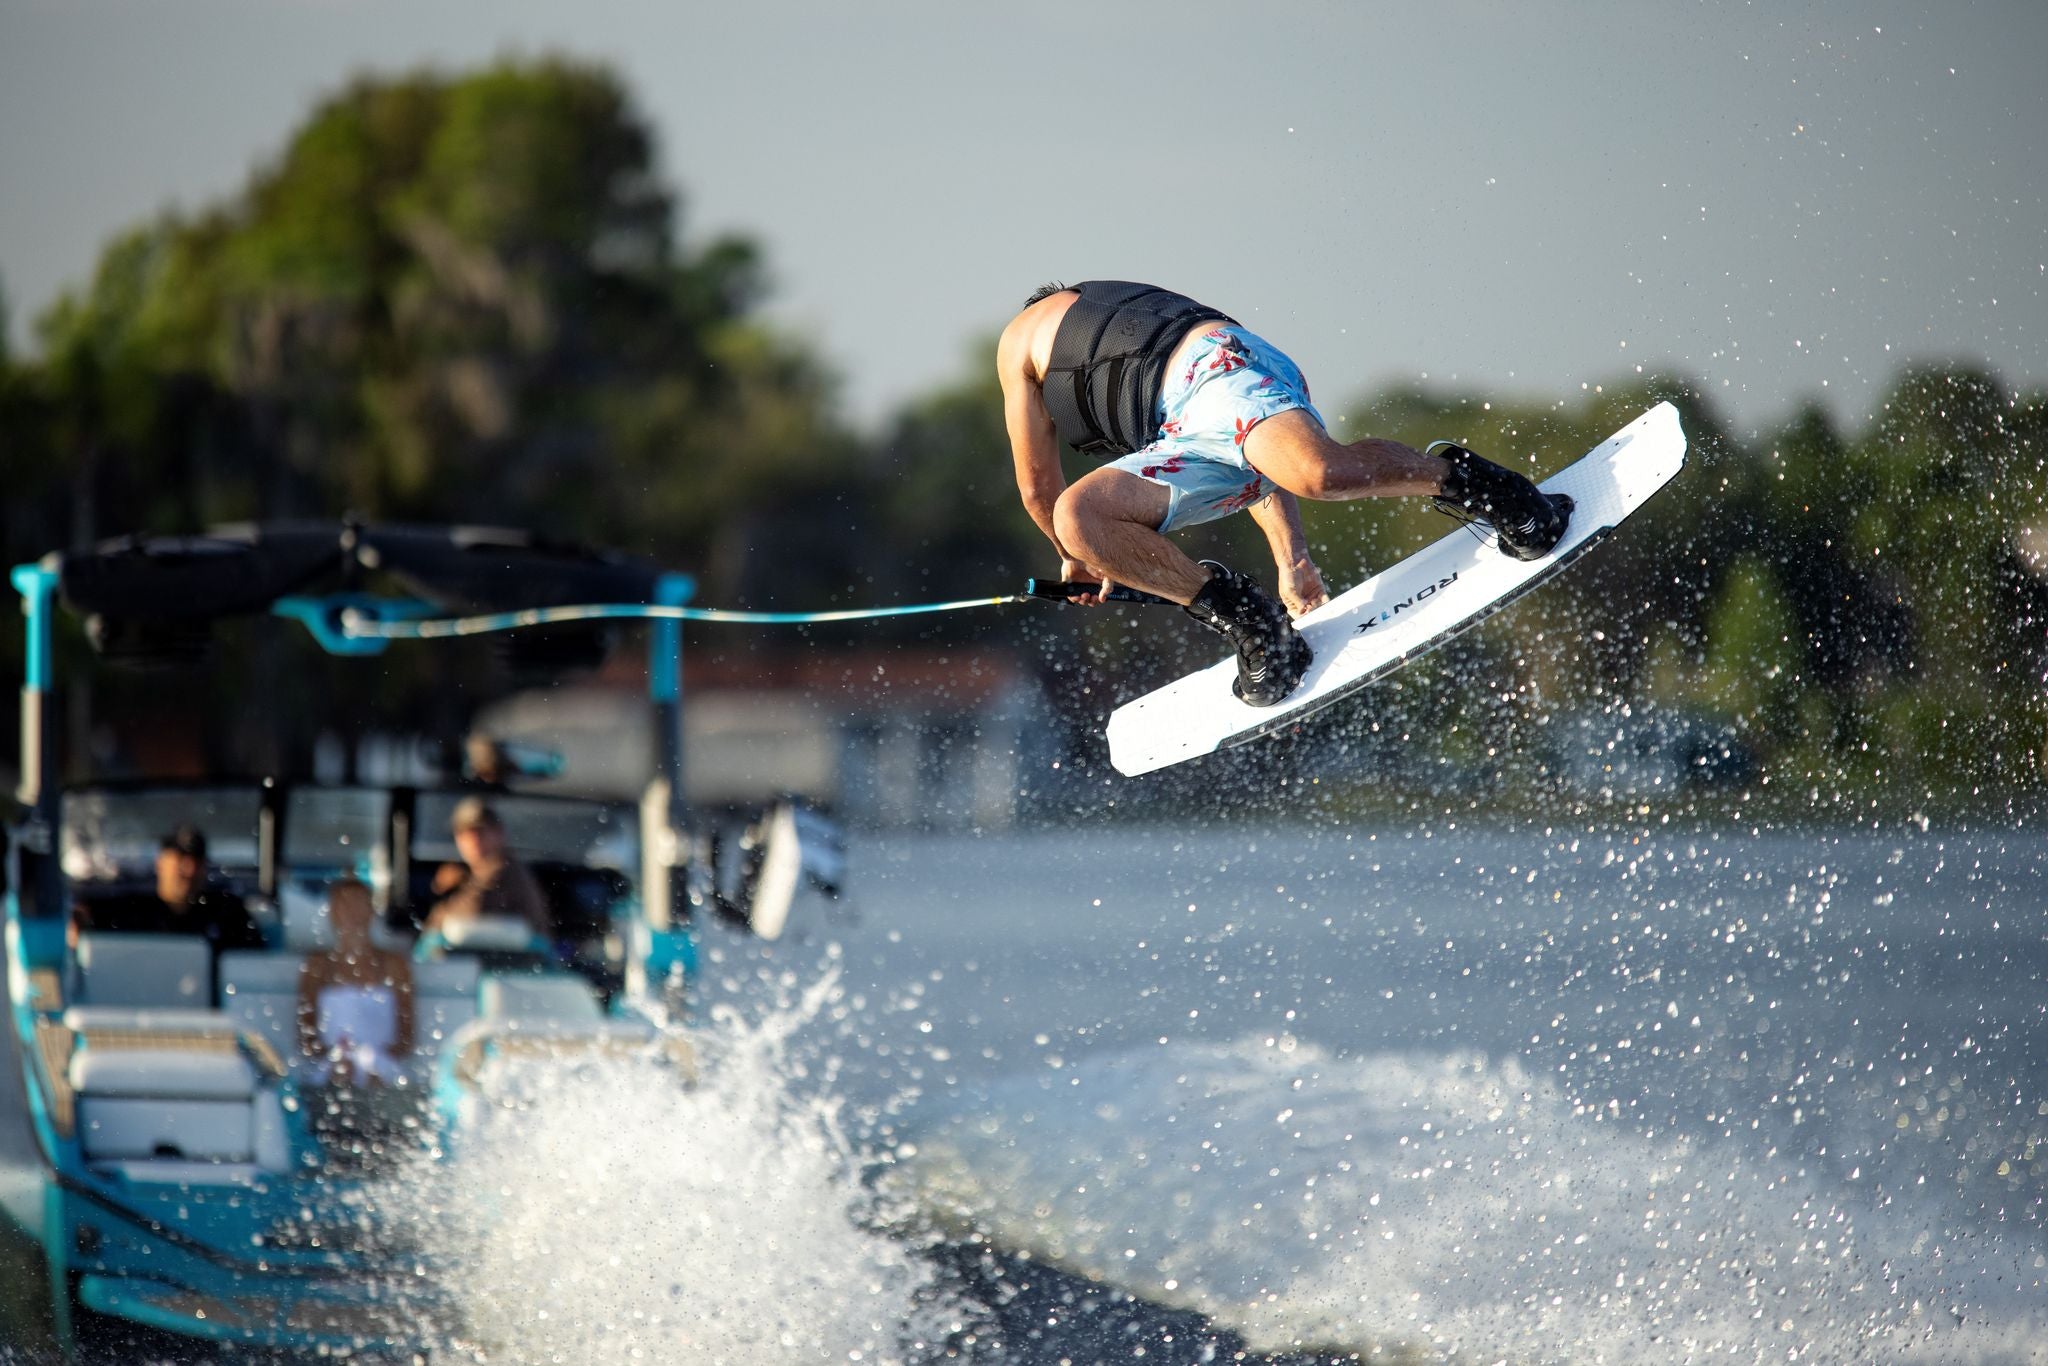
1404, 612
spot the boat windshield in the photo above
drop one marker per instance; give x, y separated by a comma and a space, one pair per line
561, 829
327, 828
112, 833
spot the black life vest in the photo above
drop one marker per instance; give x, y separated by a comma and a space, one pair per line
1109, 362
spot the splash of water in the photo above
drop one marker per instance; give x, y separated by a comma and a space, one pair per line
604, 1212
1452, 1206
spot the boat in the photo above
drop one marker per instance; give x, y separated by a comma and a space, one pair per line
160, 1155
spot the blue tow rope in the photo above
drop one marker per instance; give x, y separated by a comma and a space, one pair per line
363, 626
357, 624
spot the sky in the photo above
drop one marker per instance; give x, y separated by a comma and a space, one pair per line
1778, 201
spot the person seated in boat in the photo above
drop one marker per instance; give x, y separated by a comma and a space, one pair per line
355, 999
488, 881
185, 901
356, 1027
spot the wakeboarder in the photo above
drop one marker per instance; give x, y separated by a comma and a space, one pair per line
1197, 417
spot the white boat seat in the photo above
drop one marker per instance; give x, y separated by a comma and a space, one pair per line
555, 998
174, 1087
170, 1033
170, 1073
175, 1105
302, 909
161, 970
129, 1020
260, 992
259, 971
443, 1001
180, 1130
491, 934
446, 977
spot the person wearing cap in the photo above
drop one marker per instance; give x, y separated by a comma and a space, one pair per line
185, 901
488, 881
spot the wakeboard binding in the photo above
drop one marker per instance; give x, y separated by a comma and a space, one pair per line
1271, 655
1526, 521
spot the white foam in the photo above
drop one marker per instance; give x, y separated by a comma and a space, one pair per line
602, 1213
1457, 1206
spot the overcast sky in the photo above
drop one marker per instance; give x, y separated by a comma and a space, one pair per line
1776, 199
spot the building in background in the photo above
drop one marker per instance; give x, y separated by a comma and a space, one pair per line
938, 738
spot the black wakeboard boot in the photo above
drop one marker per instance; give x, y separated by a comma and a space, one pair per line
1271, 655
1527, 521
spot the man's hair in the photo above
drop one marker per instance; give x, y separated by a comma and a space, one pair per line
474, 813
1044, 291
187, 839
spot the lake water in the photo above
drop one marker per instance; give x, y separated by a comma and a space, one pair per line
1534, 1095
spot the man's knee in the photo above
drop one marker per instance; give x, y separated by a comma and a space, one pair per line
1075, 516
1103, 502
1291, 449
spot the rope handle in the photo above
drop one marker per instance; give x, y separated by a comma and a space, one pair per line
1057, 590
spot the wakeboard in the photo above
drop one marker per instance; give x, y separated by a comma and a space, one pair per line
1402, 613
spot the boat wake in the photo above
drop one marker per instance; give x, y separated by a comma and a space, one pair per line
1454, 1206
604, 1212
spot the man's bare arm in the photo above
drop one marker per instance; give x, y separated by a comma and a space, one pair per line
1034, 444
1035, 451
1278, 514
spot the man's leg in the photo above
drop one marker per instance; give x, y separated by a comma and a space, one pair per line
1110, 518
1294, 451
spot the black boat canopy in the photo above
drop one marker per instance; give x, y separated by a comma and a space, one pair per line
239, 570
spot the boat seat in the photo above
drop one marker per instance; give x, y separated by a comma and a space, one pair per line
492, 934
138, 1100
443, 1001
170, 1074
552, 998
128, 1020
113, 969
260, 992
447, 977
202, 1030
258, 970
302, 908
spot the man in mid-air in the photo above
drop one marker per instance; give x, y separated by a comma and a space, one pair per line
1199, 418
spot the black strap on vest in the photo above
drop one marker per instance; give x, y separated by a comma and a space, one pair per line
1109, 362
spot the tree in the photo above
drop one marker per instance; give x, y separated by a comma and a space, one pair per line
449, 297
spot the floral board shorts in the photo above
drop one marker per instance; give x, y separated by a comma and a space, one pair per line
1230, 383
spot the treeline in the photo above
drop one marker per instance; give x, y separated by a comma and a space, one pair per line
1809, 620
472, 298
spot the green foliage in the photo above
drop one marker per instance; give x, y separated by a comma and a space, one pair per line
452, 298
1753, 667
1867, 612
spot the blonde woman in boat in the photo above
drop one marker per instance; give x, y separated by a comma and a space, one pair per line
356, 1026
